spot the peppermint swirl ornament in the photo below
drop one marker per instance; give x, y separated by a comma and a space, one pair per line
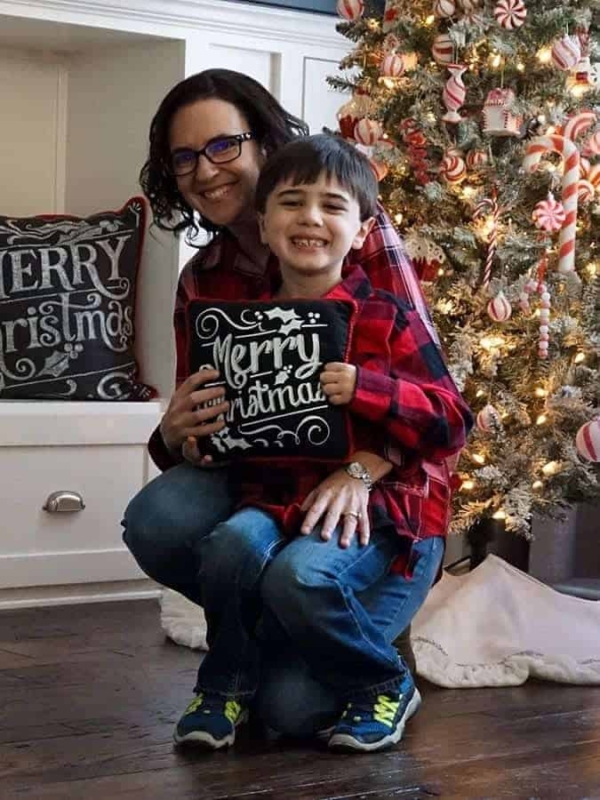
350, 10
585, 191
499, 309
549, 215
510, 14
476, 159
453, 168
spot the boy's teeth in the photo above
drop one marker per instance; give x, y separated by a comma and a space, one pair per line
309, 242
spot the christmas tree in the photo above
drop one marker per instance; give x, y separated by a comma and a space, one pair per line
481, 120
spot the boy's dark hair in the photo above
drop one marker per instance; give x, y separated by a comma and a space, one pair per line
303, 160
270, 123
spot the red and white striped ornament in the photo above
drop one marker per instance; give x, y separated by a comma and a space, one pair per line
391, 43
454, 93
453, 168
566, 52
476, 159
587, 440
585, 191
392, 66
442, 49
539, 147
584, 167
549, 215
367, 132
391, 14
593, 175
592, 146
499, 309
578, 124
444, 8
510, 14
350, 10
488, 419
380, 169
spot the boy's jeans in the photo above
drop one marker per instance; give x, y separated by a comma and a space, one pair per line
340, 607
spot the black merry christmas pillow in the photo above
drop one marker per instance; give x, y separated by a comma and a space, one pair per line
67, 305
270, 356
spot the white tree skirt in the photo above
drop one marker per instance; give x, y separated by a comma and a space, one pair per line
494, 626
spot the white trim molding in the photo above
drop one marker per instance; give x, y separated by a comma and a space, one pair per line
165, 17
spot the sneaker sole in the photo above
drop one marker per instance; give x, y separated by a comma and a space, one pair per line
342, 741
206, 740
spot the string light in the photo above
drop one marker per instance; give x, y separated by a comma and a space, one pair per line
500, 514
478, 458
551, 468
479, 393
491, 342
495, 60
521, 66
541, 419
398, 218
580, 358
467, 486
540, 392
592, 269
544, 55
537, 485
430, 20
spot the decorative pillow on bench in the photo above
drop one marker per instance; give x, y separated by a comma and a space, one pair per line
270, 356
67, 306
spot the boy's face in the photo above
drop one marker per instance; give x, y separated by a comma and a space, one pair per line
311, 227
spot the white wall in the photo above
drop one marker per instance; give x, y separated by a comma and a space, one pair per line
31, 102
113, 95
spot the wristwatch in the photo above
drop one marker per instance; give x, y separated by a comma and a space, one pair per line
356, 470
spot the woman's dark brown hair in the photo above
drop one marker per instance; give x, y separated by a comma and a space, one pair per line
271, 125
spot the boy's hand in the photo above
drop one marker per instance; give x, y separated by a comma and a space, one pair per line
338, 382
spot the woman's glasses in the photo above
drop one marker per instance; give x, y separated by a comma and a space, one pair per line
220, 150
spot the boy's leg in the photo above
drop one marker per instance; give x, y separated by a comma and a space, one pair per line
391, 602
232, 559
165, 521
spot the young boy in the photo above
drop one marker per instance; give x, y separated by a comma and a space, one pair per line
316, 199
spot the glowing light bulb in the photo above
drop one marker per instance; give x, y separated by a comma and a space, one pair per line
496, 60
521, 66
591, 269
467, 485
430, 20
544, 55
537, 485
541, 419
551, 468
580, 358
500, 514
540, 392
478, 458
479, 393
468, 191
398, 218
491, 342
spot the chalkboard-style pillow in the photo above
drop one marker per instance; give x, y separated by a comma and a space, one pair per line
270, 356
67, 306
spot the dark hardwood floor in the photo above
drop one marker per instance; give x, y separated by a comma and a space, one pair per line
89, 696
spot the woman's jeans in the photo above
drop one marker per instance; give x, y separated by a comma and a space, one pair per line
325, 617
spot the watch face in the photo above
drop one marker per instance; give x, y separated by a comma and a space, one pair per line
356, 470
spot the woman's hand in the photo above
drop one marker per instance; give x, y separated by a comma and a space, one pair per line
338, 382
186, 419
338, 498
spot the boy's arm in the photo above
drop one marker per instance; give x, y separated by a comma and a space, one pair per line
417, 402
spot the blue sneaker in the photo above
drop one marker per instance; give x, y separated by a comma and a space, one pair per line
210, 720
370, 724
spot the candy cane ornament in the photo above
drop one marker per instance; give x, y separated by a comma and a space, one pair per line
578, 124
539, 147
489, 205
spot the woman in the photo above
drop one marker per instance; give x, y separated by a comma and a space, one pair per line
208, 141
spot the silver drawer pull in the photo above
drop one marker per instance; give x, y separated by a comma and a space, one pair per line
64, 501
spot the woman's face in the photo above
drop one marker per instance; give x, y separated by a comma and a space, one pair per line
222, 193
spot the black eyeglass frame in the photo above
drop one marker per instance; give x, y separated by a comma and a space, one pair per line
240, 138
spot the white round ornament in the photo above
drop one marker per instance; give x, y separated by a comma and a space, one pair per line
392, 66
442, 49
367, 131
566, 52
444, 8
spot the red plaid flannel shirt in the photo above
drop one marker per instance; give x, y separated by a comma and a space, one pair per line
222, 271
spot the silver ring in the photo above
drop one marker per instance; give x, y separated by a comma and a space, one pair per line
354, 514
